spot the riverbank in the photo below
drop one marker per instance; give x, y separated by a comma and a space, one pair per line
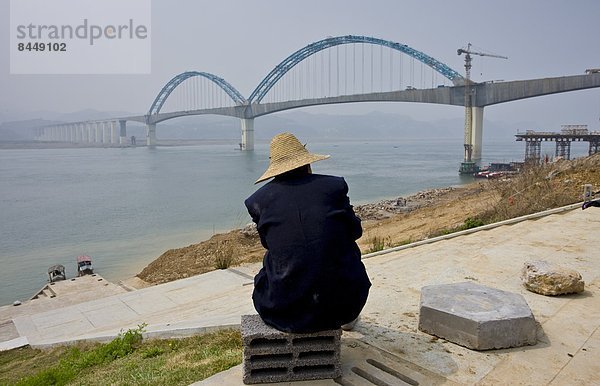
385, 223
402, 220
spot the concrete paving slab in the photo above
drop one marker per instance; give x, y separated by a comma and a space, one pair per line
583, 366
69, 292
13, 343
563, 342
220, 298
8, 331
142, 304
492, 258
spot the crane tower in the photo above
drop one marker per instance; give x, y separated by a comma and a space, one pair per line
468, 166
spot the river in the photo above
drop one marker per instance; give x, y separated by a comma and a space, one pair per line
125, 207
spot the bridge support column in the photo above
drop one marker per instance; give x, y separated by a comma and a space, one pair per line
533, 150
105, 132
563, 148
122, 133
151, 135
79, 132
113, 132
594, 147
97, 138
477, 133
247, 135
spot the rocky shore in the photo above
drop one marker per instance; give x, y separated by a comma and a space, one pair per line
387, 208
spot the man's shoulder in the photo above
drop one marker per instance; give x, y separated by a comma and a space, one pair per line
274, 186
327, 179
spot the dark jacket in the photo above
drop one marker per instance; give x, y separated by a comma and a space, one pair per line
312, 277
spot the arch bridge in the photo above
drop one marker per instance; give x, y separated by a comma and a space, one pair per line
343, 69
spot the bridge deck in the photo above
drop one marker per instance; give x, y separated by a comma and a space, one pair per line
546, 136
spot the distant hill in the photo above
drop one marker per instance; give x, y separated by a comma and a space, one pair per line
22, 130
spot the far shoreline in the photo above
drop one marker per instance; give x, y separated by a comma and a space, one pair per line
31, 144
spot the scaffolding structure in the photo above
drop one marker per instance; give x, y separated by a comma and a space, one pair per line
569, 133
533, 149
563, 148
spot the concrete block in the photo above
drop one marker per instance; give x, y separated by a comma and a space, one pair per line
477, 317
271, 355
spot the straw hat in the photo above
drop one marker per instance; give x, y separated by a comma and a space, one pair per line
287, 153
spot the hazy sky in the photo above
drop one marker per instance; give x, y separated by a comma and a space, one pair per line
242, 41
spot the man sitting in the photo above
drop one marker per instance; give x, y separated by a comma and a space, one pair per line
312, 277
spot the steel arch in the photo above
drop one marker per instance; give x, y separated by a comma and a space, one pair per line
162, 96
271, 79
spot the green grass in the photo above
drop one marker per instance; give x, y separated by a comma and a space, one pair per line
402, 242
127, 360
468, 224
377, 244
225, 256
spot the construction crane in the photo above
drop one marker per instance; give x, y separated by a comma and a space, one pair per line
468, 166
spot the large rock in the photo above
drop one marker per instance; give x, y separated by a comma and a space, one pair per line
544, 278
249, 230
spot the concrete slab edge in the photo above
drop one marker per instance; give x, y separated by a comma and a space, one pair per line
477, 229
14, 343
159, 333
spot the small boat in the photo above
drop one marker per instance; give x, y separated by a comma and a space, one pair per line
84, 265
56, 273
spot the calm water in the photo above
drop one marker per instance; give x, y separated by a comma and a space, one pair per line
125, 207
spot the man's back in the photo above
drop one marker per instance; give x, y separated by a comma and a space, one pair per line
312, 277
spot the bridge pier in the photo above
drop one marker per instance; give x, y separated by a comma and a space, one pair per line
533, 150
477, 133
79, 132
563, 149
88, 134
98, 133
105, 133
113, 132
247, 134
151, 135
122, 133
594, 147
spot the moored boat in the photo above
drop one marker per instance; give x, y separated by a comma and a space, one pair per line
84, 265
56, 273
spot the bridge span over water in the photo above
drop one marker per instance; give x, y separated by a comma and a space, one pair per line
344, 69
